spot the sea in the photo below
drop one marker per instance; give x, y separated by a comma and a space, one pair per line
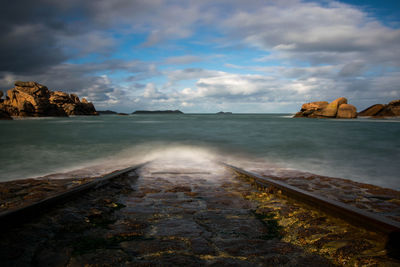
363, 150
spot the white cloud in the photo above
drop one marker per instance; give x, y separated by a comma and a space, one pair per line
314, 33
151, 91
227, 84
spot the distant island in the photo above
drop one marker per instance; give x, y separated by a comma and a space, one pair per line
110, 112
106, 112
224, 113
157, 112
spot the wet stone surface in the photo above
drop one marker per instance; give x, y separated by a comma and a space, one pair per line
19, 193
371, 198
191, 213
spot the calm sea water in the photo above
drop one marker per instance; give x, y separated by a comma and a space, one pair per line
364, 150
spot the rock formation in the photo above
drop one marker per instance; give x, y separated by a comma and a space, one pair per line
331, 109
346, 111
71, 105
378, 111
31, 99
322, 109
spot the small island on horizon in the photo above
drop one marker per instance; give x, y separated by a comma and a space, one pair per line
106, 112
157, 112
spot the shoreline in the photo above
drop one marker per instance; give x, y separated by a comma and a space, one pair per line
19, 193
368, 197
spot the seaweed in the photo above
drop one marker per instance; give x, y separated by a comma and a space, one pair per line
272, 225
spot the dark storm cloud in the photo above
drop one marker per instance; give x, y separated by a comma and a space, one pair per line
28, 36
39, 34
38, 38
82, 79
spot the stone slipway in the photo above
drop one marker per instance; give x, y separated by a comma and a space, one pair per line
187, 212
353, 215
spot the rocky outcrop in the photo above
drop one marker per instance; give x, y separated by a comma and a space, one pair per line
346, 111
31, 99
322, 109
380, 111
331, 109
71, 104
372, 110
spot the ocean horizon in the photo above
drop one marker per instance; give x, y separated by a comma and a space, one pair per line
363, 150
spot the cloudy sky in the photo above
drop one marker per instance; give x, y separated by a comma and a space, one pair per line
205, 55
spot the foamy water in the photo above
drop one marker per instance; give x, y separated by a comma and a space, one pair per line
363, 150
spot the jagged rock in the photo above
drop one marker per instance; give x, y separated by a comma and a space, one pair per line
372, 110
58, 97
75, 98
26, 84
390, 110
346, 111
323, 109
30, 99
33, 99
80, 109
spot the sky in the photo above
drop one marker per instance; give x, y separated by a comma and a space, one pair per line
203, 56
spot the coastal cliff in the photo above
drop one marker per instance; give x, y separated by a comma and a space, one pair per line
31, 99
322, 109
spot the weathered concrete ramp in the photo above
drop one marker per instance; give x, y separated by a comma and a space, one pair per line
195, 213
168, 213
186, 211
